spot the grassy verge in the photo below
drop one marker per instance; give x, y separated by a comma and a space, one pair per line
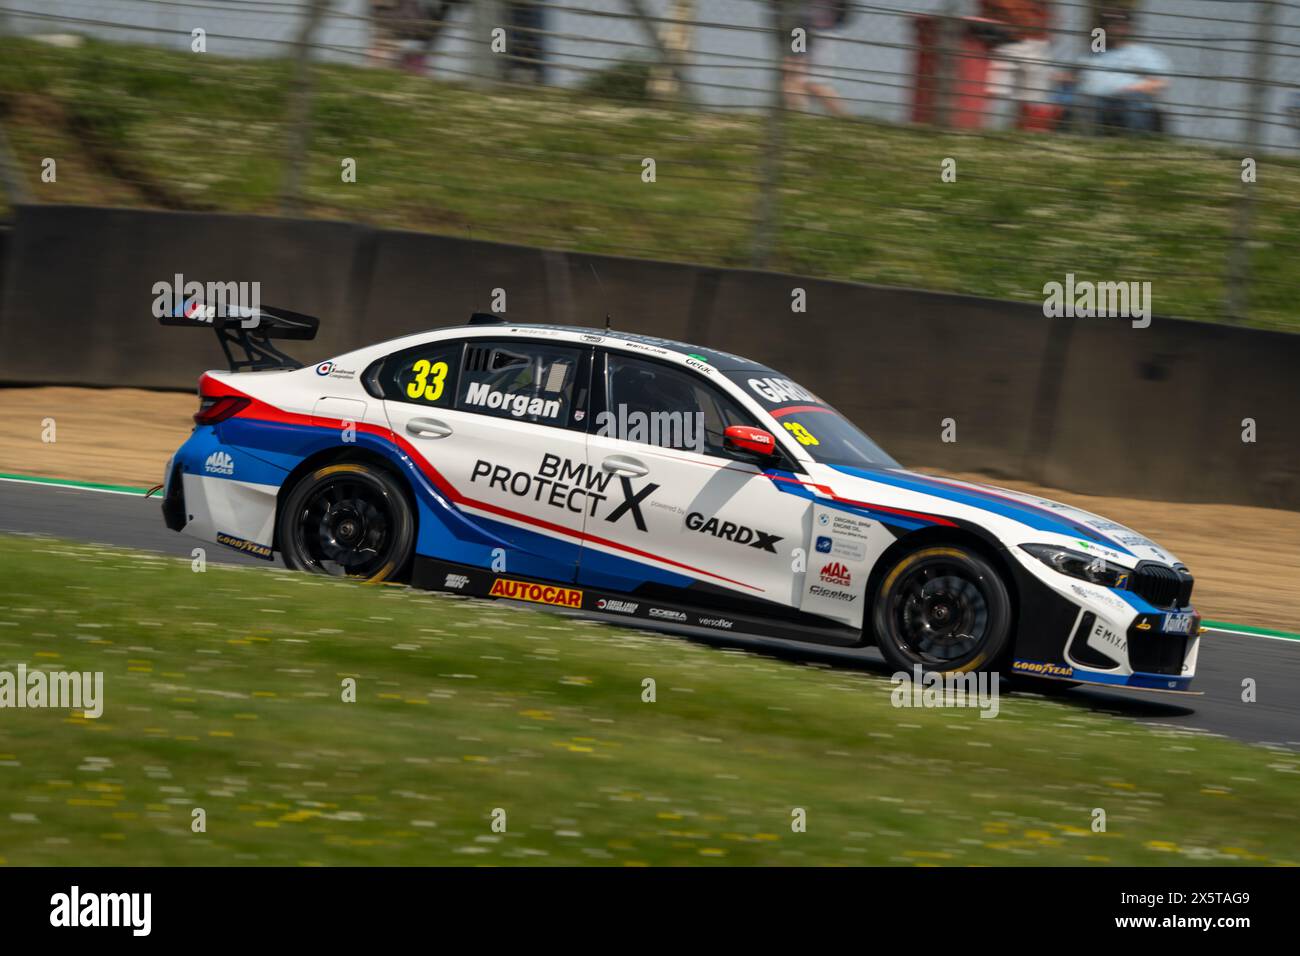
223, 692
859, 200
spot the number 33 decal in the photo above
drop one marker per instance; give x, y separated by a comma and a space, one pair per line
428, 380
801, 434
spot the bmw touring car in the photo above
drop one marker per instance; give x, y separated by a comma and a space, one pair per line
637, 478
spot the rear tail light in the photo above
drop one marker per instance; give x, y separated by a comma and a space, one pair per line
218, 409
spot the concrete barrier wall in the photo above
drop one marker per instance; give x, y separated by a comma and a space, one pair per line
1091, 405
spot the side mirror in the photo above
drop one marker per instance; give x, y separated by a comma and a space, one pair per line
753, 440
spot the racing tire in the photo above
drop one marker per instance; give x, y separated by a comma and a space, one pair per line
944, 608
348, 519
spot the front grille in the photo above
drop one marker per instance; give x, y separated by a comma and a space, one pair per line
1156, 653
1161, 585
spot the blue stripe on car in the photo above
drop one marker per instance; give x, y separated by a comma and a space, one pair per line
794, 486
270, 450
1033, 516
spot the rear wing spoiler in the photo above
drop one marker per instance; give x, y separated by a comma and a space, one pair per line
250, 330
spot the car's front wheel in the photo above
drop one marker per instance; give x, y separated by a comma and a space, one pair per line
943, 608
347, 519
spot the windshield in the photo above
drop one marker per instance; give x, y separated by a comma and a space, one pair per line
826, 435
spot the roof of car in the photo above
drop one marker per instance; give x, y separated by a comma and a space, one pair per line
723, 361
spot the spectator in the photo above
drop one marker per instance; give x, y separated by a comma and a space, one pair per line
1021, 72
406, 30
804, 72
1120, 85
525, 41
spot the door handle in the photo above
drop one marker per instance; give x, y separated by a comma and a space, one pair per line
428, 428
624, 465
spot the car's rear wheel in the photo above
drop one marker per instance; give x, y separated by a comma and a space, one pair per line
350, 520
943, 608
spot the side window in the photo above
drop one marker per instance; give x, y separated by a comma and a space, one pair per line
660, 405
526, 381
424, 375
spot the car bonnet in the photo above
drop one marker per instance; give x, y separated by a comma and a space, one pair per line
1040, 514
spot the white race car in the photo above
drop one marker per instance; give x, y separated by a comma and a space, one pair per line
646, 479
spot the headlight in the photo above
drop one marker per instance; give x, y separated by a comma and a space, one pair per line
1079, 565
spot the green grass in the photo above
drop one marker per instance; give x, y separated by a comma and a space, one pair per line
859, 200
222, 691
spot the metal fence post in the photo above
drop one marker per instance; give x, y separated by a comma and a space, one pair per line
1238, 291
668, 57
11, 177
676, 39
298, 134
486, 67
773, 140
946, 65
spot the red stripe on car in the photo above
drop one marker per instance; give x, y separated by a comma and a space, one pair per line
258, 410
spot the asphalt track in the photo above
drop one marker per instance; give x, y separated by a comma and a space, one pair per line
129, 520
